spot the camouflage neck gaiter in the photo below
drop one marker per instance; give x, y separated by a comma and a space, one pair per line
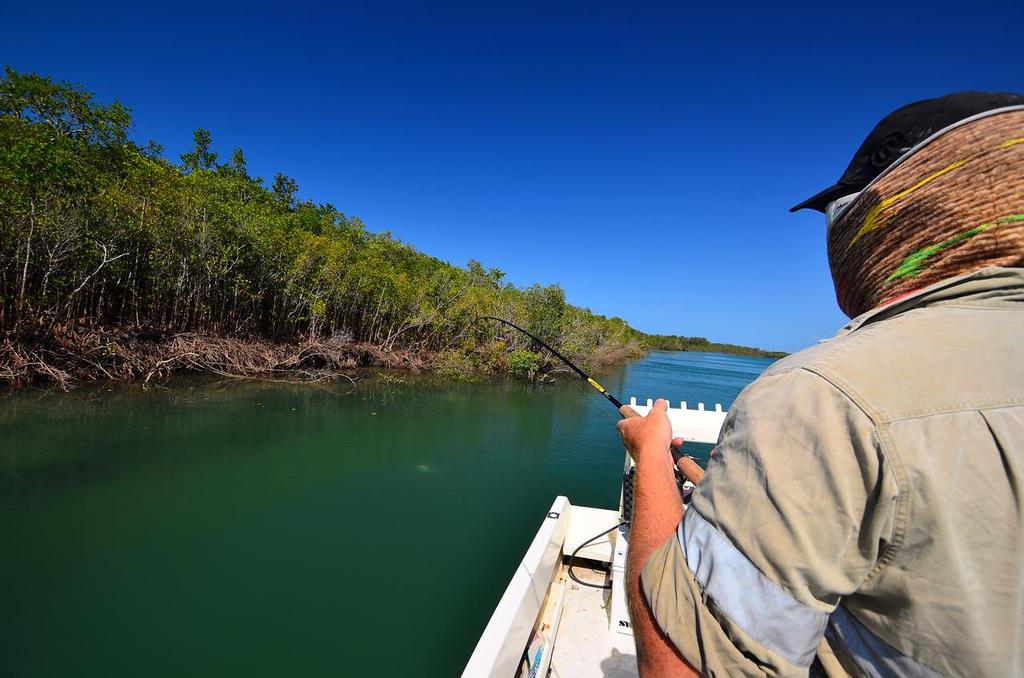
952, 207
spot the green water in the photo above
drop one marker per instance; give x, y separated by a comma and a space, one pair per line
216, 529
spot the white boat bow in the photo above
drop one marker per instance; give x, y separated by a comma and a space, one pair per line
547, 624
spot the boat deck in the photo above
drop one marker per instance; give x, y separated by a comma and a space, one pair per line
585, 647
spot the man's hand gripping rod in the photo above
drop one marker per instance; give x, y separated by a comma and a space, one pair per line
684, 464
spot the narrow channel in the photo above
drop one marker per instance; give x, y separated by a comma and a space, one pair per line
213, 528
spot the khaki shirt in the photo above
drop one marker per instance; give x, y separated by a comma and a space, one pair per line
864, 510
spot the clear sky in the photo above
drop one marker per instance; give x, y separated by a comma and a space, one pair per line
642, 155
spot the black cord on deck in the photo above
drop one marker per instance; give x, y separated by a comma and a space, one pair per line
578, 548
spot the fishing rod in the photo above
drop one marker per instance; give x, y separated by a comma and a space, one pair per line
583, 375
686, 464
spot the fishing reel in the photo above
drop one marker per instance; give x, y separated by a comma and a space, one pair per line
628, 481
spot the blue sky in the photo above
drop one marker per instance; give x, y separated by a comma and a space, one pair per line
642, 155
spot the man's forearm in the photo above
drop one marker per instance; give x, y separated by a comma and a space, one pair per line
657, 510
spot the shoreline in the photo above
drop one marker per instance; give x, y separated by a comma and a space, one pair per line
67, 358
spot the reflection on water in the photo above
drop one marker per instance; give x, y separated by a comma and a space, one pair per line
215, 528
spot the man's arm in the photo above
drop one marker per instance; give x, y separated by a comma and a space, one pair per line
763, 554
657, 511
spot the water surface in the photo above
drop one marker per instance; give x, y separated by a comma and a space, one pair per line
258, 529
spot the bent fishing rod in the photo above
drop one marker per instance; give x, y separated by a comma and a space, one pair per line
583, 375
686, 465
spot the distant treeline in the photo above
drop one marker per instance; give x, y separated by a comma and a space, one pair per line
671, 342
108, 249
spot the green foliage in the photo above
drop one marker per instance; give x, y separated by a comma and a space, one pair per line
390, 379
96, 230
523, 364
237, 165
200, 157
62, 109
284, 189
456, 365
664, 342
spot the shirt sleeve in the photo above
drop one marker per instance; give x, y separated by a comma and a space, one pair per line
794, 512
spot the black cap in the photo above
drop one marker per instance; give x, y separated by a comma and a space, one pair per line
900, 131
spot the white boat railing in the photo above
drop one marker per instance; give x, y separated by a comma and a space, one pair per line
693, 426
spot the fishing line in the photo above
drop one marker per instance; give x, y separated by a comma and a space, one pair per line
587, 395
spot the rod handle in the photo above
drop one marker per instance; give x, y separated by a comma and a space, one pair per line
690, 469
628, 412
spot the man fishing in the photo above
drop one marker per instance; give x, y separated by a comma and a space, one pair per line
864, 511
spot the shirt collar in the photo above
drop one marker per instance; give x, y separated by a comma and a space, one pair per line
992, 282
